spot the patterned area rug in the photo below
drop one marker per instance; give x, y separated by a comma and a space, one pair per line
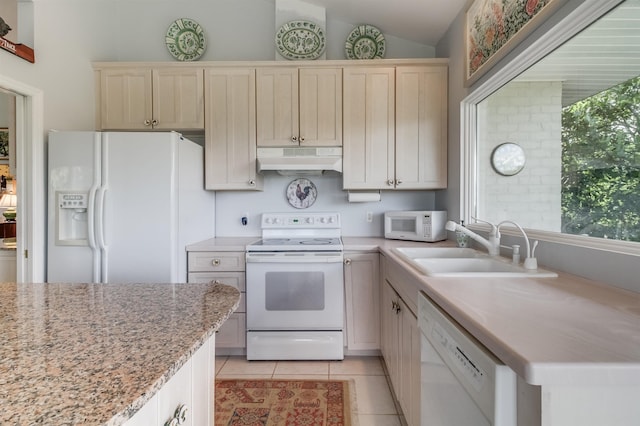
283, 402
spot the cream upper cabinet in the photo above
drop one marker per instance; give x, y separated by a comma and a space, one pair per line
369, 128
140, 98
299, 106
230, 130
421, 127
395, 127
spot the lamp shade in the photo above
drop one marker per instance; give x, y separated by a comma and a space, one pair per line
9, 202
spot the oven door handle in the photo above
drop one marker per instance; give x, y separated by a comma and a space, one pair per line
293, 258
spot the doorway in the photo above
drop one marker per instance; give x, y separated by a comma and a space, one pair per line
30, 171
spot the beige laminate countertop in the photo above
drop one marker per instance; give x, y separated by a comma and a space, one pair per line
93, 354
551, 331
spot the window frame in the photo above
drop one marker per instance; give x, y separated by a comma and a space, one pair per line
575, 21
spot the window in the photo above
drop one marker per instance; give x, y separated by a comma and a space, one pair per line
581, 174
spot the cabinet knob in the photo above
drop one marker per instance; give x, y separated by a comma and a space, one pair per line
215, 262
294, 139
390, 182
216, 282
154, 122
301, 139
252, 182
398, 182
147, 122
347, 261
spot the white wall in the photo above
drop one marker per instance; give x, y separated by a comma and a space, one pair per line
231, 206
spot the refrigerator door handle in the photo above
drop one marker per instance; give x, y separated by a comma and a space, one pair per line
102, 246
90, 216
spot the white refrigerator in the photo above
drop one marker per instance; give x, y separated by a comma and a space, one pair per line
122, 206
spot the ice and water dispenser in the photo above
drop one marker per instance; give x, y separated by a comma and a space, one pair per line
72, 226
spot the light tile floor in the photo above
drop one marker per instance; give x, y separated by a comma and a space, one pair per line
374, 403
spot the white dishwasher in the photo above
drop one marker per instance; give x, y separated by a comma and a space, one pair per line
462, 383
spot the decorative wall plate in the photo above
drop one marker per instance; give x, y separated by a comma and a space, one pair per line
301, 193
365, 42
185, 40
300, 40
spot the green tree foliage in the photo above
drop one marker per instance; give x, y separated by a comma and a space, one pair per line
600, 164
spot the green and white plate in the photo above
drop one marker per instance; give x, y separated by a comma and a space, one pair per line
185, 40
365, 42
300, 40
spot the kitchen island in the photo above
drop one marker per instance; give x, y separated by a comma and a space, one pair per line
97, 353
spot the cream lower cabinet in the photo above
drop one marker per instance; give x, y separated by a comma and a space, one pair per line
395, 127
141, 98
299, 106
400, 345
362, 292
191, 387
227, 268
230, 130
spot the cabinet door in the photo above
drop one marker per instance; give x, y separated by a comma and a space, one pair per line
389, 324
178, 98
320, 106
277, 107
362, 288
233, 333
409, 364
126, 99
230, 132
369, 128
421, 127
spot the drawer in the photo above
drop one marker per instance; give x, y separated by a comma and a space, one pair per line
203, 261
233, 332
234, 279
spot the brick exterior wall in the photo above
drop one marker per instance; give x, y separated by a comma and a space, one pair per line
529, 114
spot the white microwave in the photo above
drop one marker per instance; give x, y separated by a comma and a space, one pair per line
425, 225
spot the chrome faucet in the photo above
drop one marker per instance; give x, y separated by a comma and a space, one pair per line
492, 244
530, 262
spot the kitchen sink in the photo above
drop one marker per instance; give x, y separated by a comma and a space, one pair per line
465, 262
437, 252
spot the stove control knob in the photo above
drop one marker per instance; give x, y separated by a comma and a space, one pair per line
323, 220
309, 220
331, 220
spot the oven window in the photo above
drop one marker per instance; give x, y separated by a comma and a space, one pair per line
294, 291
403, 225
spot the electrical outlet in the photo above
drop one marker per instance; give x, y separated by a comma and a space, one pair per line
369, 217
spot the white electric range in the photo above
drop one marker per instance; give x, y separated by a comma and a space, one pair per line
295, 288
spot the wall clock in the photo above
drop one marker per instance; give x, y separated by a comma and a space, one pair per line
508, 159
301, 193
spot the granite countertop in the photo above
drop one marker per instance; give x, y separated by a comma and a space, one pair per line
95, 353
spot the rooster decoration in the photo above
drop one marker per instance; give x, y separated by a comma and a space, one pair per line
302, 193
4, 28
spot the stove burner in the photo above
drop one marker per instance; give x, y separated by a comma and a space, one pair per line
318, 241
276, 240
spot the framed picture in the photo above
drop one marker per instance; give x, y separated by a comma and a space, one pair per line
495, 27
4, 143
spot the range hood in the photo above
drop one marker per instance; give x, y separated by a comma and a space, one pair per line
300, 160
